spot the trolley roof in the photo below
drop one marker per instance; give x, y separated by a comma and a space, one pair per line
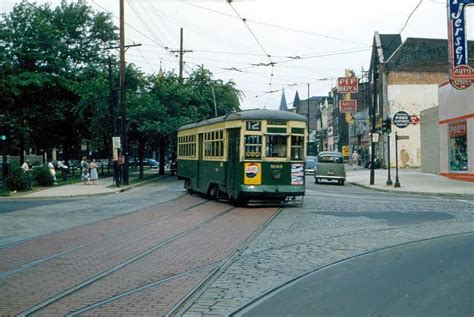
260, 114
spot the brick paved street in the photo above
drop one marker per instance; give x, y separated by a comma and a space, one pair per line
170, 246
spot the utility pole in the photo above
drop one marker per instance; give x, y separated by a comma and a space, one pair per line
373, 123
123, 101
309, 120
181, 52
112, 99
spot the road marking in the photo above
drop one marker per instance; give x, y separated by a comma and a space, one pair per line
466, 201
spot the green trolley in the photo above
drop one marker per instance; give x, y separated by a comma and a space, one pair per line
247, 156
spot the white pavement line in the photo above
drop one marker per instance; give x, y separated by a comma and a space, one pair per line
466, 201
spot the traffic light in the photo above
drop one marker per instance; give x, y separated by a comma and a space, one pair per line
11, 132
3, 132
7, 132
387, 126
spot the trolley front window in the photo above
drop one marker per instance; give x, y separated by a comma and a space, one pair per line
297, 147
253, 147
276, 145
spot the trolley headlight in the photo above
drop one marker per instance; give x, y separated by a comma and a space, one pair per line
276, 174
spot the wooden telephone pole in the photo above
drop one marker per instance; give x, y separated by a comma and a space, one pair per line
181, 52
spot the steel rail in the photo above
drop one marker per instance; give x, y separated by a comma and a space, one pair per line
26, 266
39, 306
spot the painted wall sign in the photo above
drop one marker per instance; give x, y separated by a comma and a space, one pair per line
347, 85
346, 106
458, 129
414, 119
461, 75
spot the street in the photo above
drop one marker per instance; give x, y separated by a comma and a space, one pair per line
156, 250
428, 278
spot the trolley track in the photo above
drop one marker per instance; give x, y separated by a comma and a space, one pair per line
19, 267
41, 305
159, 253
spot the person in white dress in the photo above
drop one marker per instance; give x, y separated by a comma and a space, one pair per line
93, 172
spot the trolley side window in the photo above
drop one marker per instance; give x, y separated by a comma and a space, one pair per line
297, 147
187, 146
214, 145
253, 147
276, 145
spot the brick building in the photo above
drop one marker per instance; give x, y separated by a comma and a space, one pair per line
407, 77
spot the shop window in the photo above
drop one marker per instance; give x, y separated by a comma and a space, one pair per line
276, 145
458, 146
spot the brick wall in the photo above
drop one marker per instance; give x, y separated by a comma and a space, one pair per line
400, 78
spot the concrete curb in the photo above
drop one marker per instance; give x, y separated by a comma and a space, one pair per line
413, 193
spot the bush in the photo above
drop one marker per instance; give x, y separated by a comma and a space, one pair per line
43, 176
17, 179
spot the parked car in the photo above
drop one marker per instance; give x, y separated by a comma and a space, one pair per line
310, 164
330, 167
146, 162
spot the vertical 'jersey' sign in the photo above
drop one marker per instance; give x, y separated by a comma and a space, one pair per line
461, 74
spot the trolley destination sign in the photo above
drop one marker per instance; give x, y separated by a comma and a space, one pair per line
401, 119
461, 74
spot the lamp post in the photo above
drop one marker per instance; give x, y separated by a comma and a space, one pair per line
397, 181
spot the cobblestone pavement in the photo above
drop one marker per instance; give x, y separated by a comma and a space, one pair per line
169, 246
335, 223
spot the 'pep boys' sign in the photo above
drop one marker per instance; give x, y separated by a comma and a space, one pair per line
461, 74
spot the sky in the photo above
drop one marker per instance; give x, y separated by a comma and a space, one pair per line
309, 41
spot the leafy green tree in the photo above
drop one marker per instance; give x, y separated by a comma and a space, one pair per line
51, 58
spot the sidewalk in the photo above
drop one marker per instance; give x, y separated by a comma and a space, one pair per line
411, 181
77, 189
104, 186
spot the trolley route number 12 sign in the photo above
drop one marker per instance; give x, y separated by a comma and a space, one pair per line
461, 75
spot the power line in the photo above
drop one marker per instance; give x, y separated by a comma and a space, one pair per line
274, 25
409, 17
250, 30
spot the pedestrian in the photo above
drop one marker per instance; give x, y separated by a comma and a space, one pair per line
355, 160
93, 172
52, 171
64, 170
85, 176
25, 166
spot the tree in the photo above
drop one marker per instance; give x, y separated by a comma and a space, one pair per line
51, 59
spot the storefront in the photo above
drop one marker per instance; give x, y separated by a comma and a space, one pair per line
456, 128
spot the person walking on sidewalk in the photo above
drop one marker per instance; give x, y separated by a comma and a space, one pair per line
93, 172
355, 160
